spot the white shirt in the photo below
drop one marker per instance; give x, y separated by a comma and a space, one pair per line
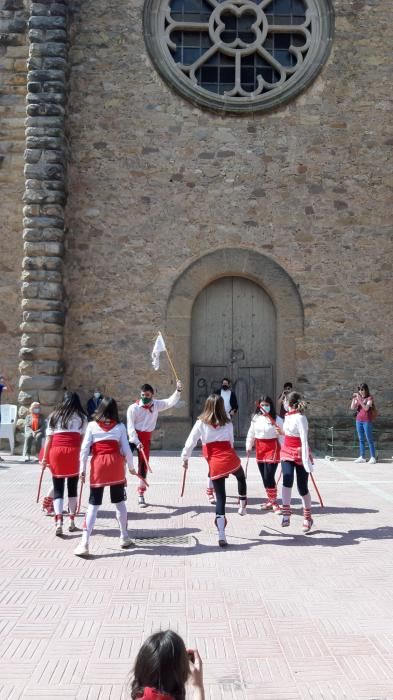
140, 418
296, 425
96, 434
226, 396
75, 425
206, 433
261, 428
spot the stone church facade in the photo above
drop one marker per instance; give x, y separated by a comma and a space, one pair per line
258, 242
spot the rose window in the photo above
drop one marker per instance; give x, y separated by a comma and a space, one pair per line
238, 55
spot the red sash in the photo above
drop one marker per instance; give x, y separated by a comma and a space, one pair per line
267, 450
221, 458
63, 455
107, 464
105, 447
66, 440
153, 694
291, 451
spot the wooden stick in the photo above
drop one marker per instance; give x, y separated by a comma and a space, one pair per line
39, 483
172, 365
246, 469
170, 361
80, 499
149, 469
184, 481
316, 488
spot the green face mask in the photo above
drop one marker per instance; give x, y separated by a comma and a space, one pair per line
145, 400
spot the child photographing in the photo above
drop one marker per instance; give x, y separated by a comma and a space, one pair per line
163, 667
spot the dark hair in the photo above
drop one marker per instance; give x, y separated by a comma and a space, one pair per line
163, 664
288, 385
296, 401
364, 387
107, 409
214, 412
66, 409
266, 399
226, 379
147, 387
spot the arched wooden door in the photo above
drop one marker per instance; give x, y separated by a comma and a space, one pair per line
234, 335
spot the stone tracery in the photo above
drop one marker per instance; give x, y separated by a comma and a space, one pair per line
238, 55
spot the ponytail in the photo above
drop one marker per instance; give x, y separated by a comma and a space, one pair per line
297, 402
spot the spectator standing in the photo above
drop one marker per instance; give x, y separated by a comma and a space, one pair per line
228, 396
282, 405
93, 403
363, 404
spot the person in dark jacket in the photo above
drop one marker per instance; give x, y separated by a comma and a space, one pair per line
93, 404
228, 396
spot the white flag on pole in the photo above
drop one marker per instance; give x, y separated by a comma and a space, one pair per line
159, 346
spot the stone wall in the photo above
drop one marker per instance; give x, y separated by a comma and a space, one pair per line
44, 198
156, 183
13, 54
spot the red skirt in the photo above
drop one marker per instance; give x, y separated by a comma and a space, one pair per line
145, 438
63, 456
107, 464
221, 458
291, 450
267, 450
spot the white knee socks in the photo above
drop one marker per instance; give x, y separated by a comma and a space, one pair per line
72, 501
88, 525
307, 501
121, 515
58, 506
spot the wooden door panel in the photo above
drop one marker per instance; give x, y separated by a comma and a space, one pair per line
234, 335
206, 379
212, 320
254, 323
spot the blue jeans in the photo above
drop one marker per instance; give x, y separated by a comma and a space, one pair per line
365, 428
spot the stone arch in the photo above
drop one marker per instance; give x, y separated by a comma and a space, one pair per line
232, 262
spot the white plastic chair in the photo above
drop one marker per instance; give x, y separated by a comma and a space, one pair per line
8, 424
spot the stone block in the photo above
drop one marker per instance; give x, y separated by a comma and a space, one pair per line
53, 340
33, 235
48, 249
40, 382
25, 398
50, 290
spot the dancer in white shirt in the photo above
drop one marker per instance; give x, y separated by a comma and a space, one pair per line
295, 455
66, 425
263, 433
215, 431
106, 441
142, 419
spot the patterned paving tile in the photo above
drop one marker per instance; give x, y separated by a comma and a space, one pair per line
277, 615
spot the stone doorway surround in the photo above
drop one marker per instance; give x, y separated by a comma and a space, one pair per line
228, 262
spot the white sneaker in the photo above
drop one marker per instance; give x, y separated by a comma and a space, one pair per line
372, 460
360, 460
72, 527
82, 550
242, 508
126, 542
59, 528
141, 502
26, 460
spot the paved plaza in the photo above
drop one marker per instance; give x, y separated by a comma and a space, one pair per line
277, 615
